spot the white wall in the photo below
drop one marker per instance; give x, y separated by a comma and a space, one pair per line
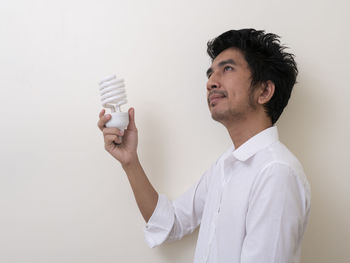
64, 199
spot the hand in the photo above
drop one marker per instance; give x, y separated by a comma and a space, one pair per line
122, 145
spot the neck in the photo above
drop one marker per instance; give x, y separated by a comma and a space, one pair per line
241, 131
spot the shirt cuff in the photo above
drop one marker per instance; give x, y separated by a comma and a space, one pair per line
161, 222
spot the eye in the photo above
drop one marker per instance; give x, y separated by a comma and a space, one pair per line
228, 68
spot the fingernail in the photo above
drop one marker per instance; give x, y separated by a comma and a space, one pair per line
121, 133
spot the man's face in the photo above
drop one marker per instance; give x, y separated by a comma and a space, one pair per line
229, 87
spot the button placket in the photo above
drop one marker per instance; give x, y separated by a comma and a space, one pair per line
225, 177
227, 169
215, 219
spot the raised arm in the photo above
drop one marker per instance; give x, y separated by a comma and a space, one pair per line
123, 147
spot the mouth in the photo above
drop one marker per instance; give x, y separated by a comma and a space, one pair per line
214, 98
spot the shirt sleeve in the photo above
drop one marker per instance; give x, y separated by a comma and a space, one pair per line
276, 217
171, 220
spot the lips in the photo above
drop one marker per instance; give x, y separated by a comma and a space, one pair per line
215, 97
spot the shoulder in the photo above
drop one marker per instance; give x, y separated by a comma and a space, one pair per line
277, 158
279, 166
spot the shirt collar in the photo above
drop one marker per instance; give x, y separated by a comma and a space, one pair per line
256, 143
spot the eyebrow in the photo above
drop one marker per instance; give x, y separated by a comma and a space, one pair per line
221, 63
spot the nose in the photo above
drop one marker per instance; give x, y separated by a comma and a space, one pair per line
212, 83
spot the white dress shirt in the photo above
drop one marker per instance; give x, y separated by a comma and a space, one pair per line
252, 206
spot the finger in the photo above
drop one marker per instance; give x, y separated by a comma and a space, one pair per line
102, 112
132, 125
102, 121
118, 140
112, 131
109, 140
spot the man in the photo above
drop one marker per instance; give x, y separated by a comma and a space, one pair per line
253, 203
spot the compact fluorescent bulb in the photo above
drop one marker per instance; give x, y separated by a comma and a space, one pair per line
113, 95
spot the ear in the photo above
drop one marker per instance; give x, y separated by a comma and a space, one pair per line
266, 92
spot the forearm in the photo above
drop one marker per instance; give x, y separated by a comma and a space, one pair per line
145, 195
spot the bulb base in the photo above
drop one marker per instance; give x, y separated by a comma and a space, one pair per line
119, 120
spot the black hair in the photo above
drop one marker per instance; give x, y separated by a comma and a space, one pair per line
267, 60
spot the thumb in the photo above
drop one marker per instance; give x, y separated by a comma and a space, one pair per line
132, 125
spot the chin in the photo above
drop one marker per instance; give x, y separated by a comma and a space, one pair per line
218, 116
227, 116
